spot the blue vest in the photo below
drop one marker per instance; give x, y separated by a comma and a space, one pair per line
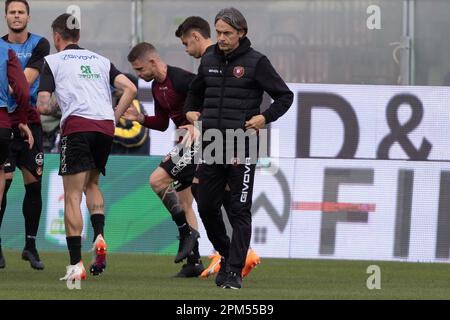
24, 52
3, 74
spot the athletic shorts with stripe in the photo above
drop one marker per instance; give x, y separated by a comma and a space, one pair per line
84, 151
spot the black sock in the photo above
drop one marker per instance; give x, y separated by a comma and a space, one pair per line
170, 200
32, 208
227, 201
194, 257
181, 222
30, 243
74, 246
98, 222
194, 190
3, 208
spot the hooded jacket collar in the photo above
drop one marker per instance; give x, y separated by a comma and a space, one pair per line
244, 47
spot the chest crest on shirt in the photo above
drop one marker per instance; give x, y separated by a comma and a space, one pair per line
238, 71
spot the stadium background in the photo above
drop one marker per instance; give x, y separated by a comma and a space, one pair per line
322, 42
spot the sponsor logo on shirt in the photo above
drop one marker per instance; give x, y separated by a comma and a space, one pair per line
86, 73
79, 57
22, 55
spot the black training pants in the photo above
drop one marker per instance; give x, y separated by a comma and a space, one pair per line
212, 181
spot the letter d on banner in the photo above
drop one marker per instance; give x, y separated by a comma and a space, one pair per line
374, 281
336, 103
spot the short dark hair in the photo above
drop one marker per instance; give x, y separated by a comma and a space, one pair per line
194, 23
140, 50
67, 26
8, 2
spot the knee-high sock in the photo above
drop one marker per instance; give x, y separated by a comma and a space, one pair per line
3, 208
170, 200
32, 208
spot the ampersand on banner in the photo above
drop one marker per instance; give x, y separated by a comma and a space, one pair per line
399, 133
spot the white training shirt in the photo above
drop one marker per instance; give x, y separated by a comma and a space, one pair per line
81, 80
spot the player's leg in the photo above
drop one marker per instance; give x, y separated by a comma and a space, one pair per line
252, 259
6, 183
100, 150
2, 189
76, 161
240, 179
186, 200
215, 258
5, 140
2, 182
194, 266
96, 206
5, 143
73, 221
31, 209
8, 169
162, 184
210, 197
8, 177
31, 164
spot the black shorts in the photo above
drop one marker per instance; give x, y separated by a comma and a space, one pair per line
20, 154
84, 151
5, 140
182, 169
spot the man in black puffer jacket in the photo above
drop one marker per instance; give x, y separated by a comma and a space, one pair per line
227, 94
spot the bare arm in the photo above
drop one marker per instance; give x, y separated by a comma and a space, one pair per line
31, 74
129, 93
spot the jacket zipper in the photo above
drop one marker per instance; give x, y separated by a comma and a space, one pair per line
222, 90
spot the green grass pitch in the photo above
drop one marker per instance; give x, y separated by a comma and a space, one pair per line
142, 276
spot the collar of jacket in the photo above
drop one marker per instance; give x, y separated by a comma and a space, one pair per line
73, 46
244, 47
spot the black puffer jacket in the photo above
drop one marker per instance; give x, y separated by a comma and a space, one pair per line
229, 88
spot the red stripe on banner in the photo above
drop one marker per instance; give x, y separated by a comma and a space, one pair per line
333, 206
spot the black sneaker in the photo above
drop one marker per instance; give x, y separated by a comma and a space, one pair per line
190, 270
187, 244
2, 260
222, 274
33, 257
234, 281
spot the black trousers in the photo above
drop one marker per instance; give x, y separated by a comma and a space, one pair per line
212, 181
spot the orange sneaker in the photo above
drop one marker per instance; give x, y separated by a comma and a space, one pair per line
251, 262
99, 262
214, 265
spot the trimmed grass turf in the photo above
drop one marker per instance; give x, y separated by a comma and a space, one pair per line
142, 276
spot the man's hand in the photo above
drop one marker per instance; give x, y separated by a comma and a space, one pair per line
192, 135
256, 122
26, 133
133, 114
192, 116
121, 82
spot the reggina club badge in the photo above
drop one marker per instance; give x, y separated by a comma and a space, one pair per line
238, 72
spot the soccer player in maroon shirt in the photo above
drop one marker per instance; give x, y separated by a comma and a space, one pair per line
172, 180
